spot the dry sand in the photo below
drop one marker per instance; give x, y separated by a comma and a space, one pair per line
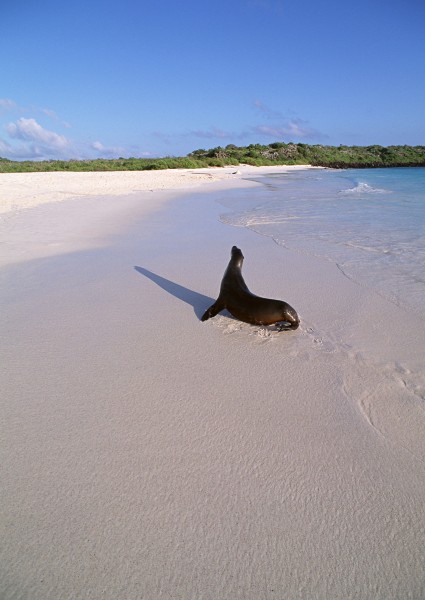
147, 455
27, 190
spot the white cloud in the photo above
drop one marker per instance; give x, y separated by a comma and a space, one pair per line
53, 116
266, 111
107, 151
282, 126
49, 113
31, 131
7, 104
214, 132
21, 151
294, 128
28, 139
97, 146
5, 148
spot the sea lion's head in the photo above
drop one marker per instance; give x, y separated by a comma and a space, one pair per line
237, 256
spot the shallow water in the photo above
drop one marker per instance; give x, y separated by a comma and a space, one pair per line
370, 222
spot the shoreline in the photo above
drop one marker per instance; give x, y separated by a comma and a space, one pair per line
148, 454
26, 200
20, 191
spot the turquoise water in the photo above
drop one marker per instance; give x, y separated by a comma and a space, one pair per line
370, 222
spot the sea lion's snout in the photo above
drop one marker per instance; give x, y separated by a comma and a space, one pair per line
237, 253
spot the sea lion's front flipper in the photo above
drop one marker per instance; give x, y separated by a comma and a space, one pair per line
212, 311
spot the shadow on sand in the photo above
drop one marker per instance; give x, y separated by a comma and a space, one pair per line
199, 302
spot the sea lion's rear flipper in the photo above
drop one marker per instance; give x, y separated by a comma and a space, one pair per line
212, 311
287, 325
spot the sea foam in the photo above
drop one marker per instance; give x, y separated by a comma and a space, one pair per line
364, 188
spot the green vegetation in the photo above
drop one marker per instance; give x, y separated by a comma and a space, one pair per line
339, 157
278, 153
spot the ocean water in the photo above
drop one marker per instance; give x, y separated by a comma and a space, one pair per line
370, 222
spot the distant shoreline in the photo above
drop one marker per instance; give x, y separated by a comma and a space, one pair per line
254, 155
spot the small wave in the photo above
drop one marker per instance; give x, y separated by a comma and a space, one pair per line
373, 249
363, 188
249, 220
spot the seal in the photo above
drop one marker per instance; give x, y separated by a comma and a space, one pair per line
246, 306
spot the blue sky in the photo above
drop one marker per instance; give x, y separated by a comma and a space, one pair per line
104, 78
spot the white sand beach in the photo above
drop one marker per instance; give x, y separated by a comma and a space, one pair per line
148, 455
19, 191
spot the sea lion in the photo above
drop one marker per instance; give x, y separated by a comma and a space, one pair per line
246, 306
